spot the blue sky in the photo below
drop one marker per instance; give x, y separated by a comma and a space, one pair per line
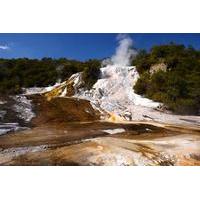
81, 46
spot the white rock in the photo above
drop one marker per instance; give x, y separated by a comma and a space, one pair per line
114, 131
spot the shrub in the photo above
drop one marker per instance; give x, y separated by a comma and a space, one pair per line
23, 72
91, 73
179, 87
142, 84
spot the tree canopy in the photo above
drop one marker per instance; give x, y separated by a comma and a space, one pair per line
23, 72
179, 86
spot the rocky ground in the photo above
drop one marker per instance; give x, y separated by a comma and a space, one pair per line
68, 131
113, 93
92, 144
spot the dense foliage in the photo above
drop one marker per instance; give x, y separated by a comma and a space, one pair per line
178, 87
91, 72
18, 73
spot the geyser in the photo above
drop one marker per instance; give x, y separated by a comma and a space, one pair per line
124, 51
114, 92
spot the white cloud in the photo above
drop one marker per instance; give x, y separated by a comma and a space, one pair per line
4, 47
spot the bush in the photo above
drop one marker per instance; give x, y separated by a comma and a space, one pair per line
18, 73
179, 87
142, 84
91, 73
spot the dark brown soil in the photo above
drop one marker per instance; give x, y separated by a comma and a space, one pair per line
62, 110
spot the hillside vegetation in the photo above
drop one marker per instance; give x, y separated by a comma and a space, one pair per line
18, 73
179, 86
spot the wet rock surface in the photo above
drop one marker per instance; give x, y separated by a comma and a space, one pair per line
62, 109
68, 131
16, 113
114, 97
89, 144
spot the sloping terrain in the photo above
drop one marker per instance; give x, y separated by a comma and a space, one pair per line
67, 88
93, 144
68, 131
72, 125
113, 96
62, 109
15, 113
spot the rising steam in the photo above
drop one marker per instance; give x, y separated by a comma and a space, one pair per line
124, 51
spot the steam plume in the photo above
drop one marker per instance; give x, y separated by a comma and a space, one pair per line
124, 51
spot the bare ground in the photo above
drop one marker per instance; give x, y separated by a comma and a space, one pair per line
65, 134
